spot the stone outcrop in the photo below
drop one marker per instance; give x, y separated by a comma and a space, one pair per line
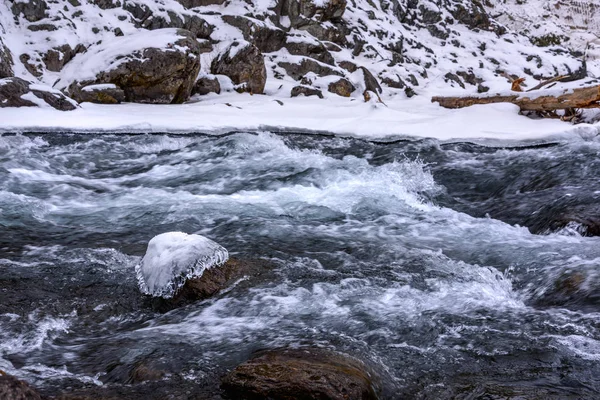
106, 93
298, 70
56, 58
244, 64
17, 92
147, 75
304, 373
301, 12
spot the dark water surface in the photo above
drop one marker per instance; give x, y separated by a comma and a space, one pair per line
453, 270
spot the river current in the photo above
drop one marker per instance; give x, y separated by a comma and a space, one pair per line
452, 270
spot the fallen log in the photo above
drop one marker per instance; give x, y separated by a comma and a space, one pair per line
539, 100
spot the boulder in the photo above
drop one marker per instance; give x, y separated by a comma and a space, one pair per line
244, 64
17, 92
334, 32
107, 4
32, 10
342, 87
6, 61
104, 93
206, 85
265, 37
13, 389
149, 67
306, 91
298, 70
303, 373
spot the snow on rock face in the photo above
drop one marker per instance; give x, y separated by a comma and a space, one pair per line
174, 257
157, 66
17, 92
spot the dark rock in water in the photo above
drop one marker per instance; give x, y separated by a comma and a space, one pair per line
266, 38
244, 64
211, 282
342, 87
306, 91
305, 373
572, 289
297, 71
312, 50
32, 10
101, 94
13, 389
149, 75
144, 373
206, 85
6, 61
13, 90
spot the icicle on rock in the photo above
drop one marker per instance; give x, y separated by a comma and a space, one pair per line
174, 257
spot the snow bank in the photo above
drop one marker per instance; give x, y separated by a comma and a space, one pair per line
400, 118
174, 257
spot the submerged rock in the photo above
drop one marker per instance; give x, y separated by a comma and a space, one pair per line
305, 373
149, 67
17, 92
13, 389
173, 258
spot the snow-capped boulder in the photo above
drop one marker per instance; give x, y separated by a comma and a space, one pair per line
6, 61
304, 65
149, 67
17, 92
174, 257
244, 64
103, 93
313, 49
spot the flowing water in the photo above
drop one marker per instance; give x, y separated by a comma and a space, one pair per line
416, 257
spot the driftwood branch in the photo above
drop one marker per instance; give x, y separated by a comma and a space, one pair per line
547, 82
542, 100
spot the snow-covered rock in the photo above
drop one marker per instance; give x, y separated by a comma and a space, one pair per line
174, 257
17, 92
6, 61
157, 66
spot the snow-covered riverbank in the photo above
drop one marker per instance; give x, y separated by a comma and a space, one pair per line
398, 118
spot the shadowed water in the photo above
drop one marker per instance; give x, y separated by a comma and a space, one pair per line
453, 270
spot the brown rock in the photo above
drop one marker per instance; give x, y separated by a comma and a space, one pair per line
244, 64
342, 87
101, 94
13, 389
313, 50
305, 373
